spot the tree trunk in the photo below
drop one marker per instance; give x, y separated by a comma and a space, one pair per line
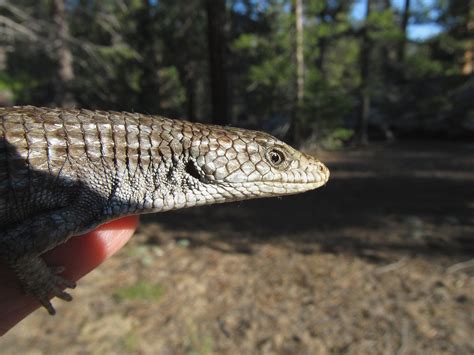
295, 129
403, 28
389, 52
299, 52
322, 46
65, 74
365, 53
468, 65
190, 98
216, 23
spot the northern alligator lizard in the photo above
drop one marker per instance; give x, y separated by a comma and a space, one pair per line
65, 171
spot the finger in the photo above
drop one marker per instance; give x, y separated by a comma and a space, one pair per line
82, 254
78, 256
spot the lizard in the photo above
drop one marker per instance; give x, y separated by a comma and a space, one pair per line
63, 172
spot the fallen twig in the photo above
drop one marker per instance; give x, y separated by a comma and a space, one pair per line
460, 266
390, 267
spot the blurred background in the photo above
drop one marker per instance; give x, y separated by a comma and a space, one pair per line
378, 261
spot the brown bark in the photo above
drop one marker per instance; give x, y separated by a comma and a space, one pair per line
295, 129
299, 52
216, 23
322, 46
190, 95
403, 28
65, 74
468, 65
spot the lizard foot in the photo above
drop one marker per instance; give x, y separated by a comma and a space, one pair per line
43, 282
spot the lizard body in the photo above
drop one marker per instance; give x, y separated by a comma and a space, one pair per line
63, 172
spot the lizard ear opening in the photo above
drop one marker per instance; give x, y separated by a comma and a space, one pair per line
192, 170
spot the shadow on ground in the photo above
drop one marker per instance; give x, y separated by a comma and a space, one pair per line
407, 195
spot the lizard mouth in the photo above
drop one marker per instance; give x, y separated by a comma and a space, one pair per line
292, 187
313, 181
269, 188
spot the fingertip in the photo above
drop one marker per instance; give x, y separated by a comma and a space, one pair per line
81, 254
115, 234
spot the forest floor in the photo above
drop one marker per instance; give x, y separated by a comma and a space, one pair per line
380, 261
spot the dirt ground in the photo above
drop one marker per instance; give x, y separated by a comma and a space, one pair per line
380, 261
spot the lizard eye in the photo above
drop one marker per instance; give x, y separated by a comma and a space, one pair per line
275, 157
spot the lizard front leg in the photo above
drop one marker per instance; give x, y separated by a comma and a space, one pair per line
42, 281
21, 248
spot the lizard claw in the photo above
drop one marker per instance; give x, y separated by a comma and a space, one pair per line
44, 298
46, 303
43, 282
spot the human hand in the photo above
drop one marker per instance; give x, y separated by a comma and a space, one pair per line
79, 256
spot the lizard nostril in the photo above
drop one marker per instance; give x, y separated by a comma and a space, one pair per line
323, 169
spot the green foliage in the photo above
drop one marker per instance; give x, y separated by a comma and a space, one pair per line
384, 26
419, 64
249, 44
142, 291
131, 342
336, 138
153, 57
323, 111
199, 343
265, 57
16, 85
171, 91
29, 76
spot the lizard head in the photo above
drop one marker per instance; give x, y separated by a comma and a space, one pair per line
234, 164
